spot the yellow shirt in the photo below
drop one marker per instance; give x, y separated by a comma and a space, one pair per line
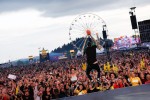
17, 90
100, 88
81, 92
115, 68
112, 87
84, 66
135, 81
107, 67
142, 63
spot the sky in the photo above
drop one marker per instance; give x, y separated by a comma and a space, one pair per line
27, 25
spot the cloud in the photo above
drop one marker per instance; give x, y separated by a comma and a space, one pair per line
57, 8
26, 25
23, 32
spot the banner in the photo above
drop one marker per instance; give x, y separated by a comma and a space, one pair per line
11, 76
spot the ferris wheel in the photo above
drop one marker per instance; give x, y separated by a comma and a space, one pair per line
83, 27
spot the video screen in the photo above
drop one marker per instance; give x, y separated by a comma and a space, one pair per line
125, 41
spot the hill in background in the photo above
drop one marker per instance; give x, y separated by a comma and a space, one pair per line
67, 47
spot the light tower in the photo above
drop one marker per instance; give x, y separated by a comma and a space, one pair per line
134, 21
108, 43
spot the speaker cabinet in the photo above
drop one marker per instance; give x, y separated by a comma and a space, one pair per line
104, 34
133, 22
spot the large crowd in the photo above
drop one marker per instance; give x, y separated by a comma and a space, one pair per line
64, 78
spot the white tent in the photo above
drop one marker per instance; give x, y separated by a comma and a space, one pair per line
79, 53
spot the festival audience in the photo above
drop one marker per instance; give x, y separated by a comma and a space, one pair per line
64, 78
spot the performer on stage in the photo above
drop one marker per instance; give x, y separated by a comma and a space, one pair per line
92, 62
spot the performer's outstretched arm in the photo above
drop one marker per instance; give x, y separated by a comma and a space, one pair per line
96, 42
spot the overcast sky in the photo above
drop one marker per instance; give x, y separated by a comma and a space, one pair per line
26, 25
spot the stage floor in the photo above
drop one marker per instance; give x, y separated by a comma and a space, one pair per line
129, 93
